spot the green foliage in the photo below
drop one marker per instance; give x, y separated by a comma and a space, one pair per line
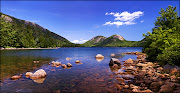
163, 44
20, 33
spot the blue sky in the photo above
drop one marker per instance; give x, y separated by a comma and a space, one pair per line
79, 21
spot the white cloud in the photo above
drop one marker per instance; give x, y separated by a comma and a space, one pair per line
124, 18
79, 41
142, 21
119, 23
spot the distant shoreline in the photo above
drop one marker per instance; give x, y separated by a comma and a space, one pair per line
39, 48
26, 48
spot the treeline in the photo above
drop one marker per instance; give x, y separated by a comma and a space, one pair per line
19, 33
163, 44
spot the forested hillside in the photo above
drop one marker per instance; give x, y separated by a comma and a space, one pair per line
20, 33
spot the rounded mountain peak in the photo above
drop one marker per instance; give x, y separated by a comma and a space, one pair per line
98, 39
118, 37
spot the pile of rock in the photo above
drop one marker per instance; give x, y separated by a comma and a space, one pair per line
148, 76
57, 64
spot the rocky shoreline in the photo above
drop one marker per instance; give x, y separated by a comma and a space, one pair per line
144, 76
25, 48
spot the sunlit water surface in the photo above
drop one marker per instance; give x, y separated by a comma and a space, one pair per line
91, 76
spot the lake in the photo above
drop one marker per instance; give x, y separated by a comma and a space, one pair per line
91, 76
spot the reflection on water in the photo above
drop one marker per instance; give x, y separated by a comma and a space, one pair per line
87, 76
99, 59
39, 80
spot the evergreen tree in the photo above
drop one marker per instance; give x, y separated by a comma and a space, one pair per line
163, 44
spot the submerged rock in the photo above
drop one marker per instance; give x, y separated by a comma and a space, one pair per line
112, 55
16, 77
68, 58
39, 74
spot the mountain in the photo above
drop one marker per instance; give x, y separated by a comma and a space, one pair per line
21, 33
118, 37
114, 41
94, 41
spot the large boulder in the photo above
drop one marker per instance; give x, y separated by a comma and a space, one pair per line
114, 61
39, 74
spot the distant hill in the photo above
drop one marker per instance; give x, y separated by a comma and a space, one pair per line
21, 33
112, 41
94, 41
